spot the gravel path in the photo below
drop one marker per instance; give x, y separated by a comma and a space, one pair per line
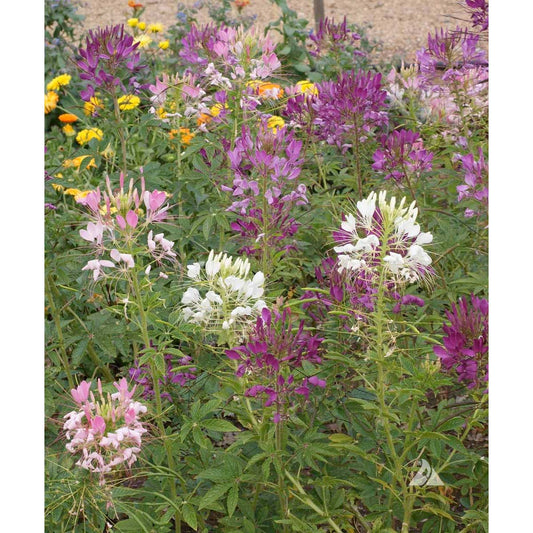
401, 25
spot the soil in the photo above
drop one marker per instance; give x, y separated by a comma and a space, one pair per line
400, 25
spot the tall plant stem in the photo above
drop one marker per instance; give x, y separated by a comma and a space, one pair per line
57, 321
357, 143
282, 491
157, 395
121, 135
381, 343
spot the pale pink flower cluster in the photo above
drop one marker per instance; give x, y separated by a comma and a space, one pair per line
119, 219
106, 432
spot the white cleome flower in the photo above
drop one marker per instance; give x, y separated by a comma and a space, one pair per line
224, 296
383, 231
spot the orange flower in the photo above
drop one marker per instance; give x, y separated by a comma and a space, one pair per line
134, 5
68, 118
203, 119
239, 4
186, 135
270, 90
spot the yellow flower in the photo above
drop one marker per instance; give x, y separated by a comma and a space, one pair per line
217, 108
68, 130
275, 123
186, 135
132, 23
50, 101
163, 45
58, 187
58, 82
92, 106
270, 90
141, 26
84, 136
128, 101
161, 113
306, 87
78, 195
155, 28
143, 40
77, 161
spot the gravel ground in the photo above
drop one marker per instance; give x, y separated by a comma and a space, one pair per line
401, 25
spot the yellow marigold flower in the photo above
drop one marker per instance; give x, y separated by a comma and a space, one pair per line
164, 45
67, 118
306, 87
161, 113
132, 23
155, 28
79, 195
143, 40
141, 26
275, 123
186, 135
58, 82
84, 136
50, 101
128, 101
58, 187
68, 130
72, 192
77, 161
92, 106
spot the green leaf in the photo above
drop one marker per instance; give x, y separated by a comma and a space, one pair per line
218, 425
79, 351
340, 438
214, 494
233, 498
189, 515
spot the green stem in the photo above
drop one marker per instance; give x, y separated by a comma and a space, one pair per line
359, 176
57, 321
157, 395
381, 343
120, 130
282, 491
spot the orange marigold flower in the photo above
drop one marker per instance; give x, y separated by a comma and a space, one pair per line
203, 119
50, 101
68, 118
186, 135
239, 4
270, 90
134, 4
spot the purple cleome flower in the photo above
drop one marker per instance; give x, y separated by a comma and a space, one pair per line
402, 153
109, 58
265, 188
479, 13
353, 105
273, 351
466, 341
475, 186
332, 38
142, 376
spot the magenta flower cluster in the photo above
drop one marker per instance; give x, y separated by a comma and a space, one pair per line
141, 374
106, 431
348, 108
109, 59
401, 155
266, 166
272, 353
465, 349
